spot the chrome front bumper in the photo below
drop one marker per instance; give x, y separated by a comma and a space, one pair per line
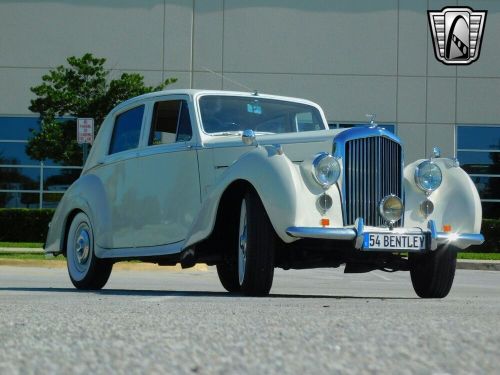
460, 240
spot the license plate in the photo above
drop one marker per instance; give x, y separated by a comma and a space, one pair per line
394, 241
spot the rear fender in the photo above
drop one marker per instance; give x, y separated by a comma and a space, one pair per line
87, 194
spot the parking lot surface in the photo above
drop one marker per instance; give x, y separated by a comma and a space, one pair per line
315, 321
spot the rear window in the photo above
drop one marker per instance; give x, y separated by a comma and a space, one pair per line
127, 130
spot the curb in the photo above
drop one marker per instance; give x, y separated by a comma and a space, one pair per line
483, 265
24, 250
121, 266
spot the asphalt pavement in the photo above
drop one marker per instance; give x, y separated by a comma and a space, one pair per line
314, 322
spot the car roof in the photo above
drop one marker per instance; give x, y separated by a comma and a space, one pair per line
197, 93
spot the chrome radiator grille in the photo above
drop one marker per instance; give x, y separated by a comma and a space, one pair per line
372, 170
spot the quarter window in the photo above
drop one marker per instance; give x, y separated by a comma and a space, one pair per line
478, 150
127, 130
171, 123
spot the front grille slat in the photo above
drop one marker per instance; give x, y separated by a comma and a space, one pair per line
372, 171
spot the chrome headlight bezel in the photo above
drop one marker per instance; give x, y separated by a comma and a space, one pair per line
428, 176
328, 177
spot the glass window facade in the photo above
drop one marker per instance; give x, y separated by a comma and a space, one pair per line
478, 150
25, 182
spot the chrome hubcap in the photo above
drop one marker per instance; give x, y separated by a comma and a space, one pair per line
242, 243
82, 245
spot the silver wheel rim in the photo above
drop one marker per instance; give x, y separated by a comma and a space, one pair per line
242, 242
80, 243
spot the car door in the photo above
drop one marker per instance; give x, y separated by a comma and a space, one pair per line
118, 172
169, 180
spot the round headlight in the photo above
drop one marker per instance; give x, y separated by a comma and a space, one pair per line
428, 176
391, 208
326, 169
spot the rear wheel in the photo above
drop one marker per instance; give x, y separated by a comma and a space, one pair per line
432, 273
86, 271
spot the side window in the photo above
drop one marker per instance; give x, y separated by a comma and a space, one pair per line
171, 123
127, 130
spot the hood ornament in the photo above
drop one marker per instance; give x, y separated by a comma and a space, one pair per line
371, 118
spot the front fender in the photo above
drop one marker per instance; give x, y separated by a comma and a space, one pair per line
456, 201
87, 194
287, 198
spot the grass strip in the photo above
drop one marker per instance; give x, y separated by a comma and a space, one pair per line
28, 256
27, 245
479, 256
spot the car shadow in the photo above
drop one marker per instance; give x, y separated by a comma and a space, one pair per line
177, 293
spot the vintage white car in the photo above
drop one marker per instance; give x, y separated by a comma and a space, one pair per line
250, 182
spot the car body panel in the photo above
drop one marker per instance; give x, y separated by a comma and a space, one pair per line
157, 200
456, 201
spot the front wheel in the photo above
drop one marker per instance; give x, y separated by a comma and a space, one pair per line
255, 247
249, 246
86, 271
432, 273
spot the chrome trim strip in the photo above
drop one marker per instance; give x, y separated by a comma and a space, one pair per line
359, 224
460, 240
145, 251
322, 233
432, 229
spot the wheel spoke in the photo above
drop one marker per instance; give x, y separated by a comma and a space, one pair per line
242, 242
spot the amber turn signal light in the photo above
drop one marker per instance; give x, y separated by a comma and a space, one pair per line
325, 222
446, 228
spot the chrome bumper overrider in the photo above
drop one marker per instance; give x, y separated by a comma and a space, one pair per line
460, 240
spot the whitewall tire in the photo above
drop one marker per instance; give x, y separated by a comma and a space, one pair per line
85, 270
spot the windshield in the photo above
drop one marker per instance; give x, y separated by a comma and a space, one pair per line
232, 114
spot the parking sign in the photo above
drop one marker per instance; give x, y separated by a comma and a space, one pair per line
85, 130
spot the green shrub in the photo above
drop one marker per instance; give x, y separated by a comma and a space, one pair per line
24, 225
490, 229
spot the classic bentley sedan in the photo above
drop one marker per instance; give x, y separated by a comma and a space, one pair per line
250, 182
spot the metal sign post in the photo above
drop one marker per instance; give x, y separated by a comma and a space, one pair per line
85, 134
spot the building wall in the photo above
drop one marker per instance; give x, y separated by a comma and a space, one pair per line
351, 56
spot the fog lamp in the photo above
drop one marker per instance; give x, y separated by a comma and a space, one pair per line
426, 207
391, 208
325, 202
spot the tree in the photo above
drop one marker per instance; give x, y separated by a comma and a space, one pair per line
80, 90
